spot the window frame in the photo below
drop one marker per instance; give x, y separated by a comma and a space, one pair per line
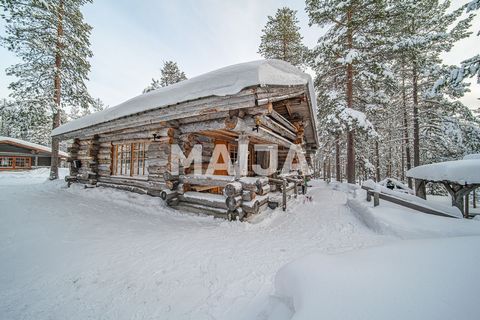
133, 151
26, 160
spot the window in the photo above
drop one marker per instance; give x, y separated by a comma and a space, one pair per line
233, 150
129, 159
15, 162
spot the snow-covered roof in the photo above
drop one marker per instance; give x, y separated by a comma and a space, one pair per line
462, 172
222, 82
29, 145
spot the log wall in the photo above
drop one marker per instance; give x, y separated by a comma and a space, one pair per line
229, 118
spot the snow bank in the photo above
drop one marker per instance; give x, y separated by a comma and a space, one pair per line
404, 223
29, 145
35, 176
460, 171
222, 82
416, 279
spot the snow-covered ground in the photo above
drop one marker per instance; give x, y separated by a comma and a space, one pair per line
106, 254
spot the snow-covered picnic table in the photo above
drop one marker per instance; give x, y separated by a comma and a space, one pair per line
459, 177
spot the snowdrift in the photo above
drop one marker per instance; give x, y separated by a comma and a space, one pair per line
415, 279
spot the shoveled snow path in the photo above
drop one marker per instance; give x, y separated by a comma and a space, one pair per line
105, 254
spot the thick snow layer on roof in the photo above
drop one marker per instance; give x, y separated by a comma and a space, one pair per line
222, 82
30, 145
460, 171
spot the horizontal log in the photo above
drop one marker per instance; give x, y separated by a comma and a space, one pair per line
168, 194
206, 199
251, 207
123, 187
300, 93
207, 180
193, 108
233, 202
233, 189
200, 209
248, 195
263, 190
125, 181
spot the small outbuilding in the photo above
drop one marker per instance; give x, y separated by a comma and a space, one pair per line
240, 115
16, 154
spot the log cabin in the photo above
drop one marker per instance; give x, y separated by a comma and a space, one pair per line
17, 154
234, 109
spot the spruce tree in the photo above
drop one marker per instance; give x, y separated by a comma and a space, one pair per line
281, 38
169, 74
52, 41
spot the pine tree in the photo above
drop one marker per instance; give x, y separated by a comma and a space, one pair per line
424, 29
52, 40
469, 68
352, 33
281, 38
169, 74
76, 112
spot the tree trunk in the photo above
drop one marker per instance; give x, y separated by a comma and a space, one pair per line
338, 167
350, 135
377, 156
57, 92
416, 130
406, 138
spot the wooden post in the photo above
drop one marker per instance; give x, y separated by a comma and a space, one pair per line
376, 199
474, 198
369, 196
242, 156
420, 189
284, 194
467, 205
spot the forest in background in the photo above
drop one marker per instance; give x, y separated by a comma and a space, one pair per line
386, 102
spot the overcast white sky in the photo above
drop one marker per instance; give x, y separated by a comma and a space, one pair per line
130, 39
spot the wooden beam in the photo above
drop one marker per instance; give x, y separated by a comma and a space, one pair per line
276, 127
279, 118
282, 97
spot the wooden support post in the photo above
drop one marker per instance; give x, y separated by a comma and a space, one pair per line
376, 199
467, 205
242, 156
420, 188
474, 198
284, 194
369, 196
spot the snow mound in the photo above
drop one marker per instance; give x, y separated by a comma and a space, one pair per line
410, 197
460, 171
27, 177
222, 82
404, 223
416, 279
397, 185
